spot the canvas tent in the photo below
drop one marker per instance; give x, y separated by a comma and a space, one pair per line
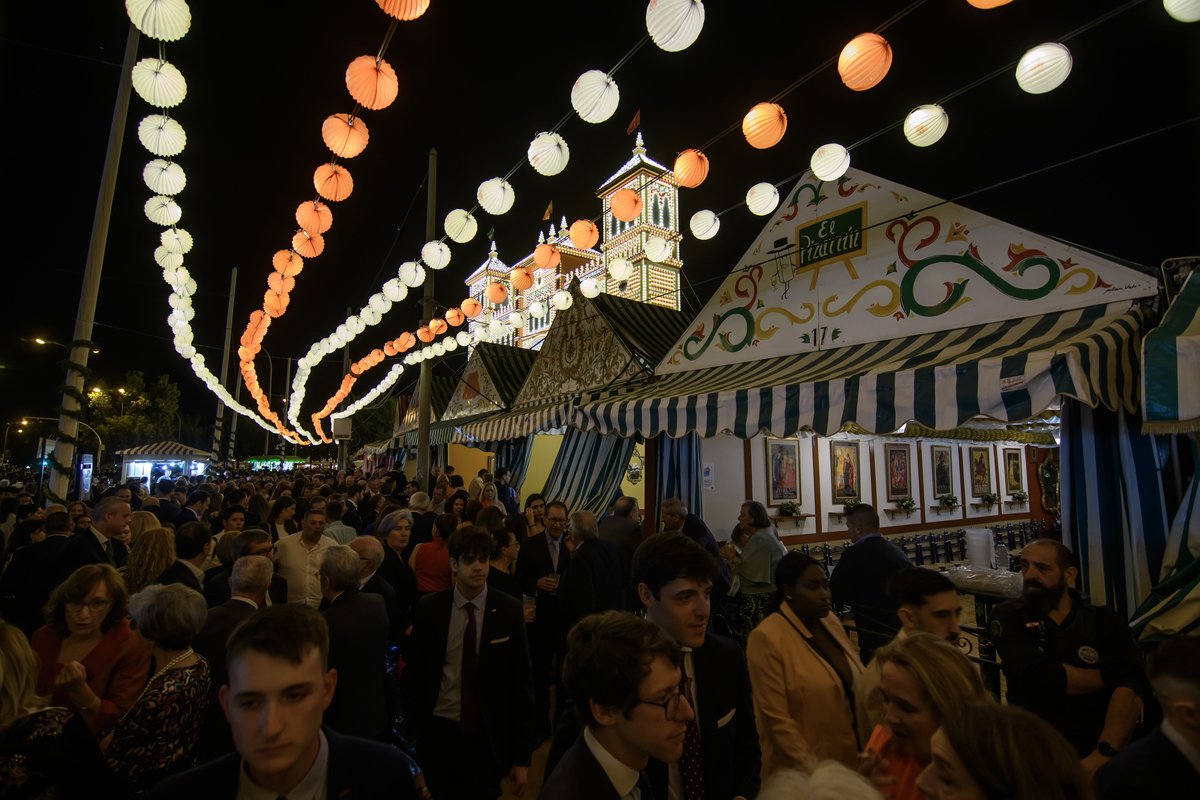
139, 462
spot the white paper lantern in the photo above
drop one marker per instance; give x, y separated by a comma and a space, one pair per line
449, 344
342, 332
589, 287
460, 226
620, 269
762, 199
435, 254
163, 210
548, 153
705, 224
186, 352
495, 196
186, 288
496, 329
562, 300
427, 352
830, 162
439, 349
183, 338
165, 20
482, 335
166, 259
177, 302
177, 240
164, 177
463, 338
1183, 10
595, 96
537, 309
925, 125
380, 302
1044, 68
356, 325
394, 290
369, 316
657, 248
411, 274
674, 24
162, 135
517, 319
159, 83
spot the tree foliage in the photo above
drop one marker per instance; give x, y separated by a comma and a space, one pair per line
140, 414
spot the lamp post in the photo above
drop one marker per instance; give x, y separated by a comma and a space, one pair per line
99, 453
5, 451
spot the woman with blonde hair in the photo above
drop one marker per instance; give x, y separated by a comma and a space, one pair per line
139, 523
155, 552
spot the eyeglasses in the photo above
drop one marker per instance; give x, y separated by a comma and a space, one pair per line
96, 606
553, 521
670, 706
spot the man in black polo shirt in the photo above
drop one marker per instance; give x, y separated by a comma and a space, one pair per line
1075, 665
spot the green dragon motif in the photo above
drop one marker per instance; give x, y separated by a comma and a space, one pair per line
971, 260
728, 345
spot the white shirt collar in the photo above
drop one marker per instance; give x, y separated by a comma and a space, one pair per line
623, 777
363, 581
479, 602
199, 573
311, 787
100, 537
245, 600
1185, 747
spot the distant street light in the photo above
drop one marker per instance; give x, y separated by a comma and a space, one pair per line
5, 451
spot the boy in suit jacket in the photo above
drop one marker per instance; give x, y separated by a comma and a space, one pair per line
468, 683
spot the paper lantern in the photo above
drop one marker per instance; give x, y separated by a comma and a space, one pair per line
657, 248
455, 316
165, 20
345, 135
164, 177
460, 226
435, 254
497, 329
438, 326
986, 4
546, 256
562, 300
1044, 68
389, 350
280, 284
404, 10
589, 287
584, 234
372, 84
425, 334
439, 349
380, 302
517, 320
394, 290
287, 262
472, 307
626, 204
162, 136
864, 61
762, 199
705, 224
537, 309
520, 277
177, 240
691, 168
548, 153
463, 338
405, 341
620, 269
495, 196
333, 182
496, 293
764, 125
595, 96
308, 245
449, 343
830, 162
925, 125
158, 82
411, 273
673, 25
166, 259
163, 210
1183, 10
314, 216
481, 334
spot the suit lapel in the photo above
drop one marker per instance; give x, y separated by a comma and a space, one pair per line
493, 628
708, 686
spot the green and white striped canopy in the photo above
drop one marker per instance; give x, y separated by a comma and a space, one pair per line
1171, 366
1008, 371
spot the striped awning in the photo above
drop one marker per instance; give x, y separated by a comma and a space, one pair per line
443, 389
1171, 366
164, 449
1008, 371
446, 432
520, 421
649, 331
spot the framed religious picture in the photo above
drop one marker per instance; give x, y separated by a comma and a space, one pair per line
783, 471
898, 463
843, 468
943, 475
979, 467
1013, 478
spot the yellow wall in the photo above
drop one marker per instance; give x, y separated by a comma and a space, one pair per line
467, 461
545, 450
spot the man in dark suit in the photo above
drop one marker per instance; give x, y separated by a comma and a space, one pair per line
279, 686
193, 543
254, 542
110, 518
167, 509
861, 576
250, 578
193, 508
358, 631
542, 556
675, 517
592, 582
1166, 762
26, 584
468, 686
422, 525
631, 714
354, 495
623, 527
370, 555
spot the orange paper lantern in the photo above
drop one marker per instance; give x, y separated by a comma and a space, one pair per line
584, 234
280, 284
345, 135
691, 168
496, 293
288, 263
372, 85
405, 341
272, 304
438, 326
377, 355
520, 277
472, 307
307, 245
425, 334
333, 182
314, 216
864, 61
626, 205
986, 4
356, 369
546, 256
764, 125
389, 349
455, 317
404, 10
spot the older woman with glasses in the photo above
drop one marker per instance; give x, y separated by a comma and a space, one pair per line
89, 660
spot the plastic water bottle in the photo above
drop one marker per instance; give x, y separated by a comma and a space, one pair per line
1002, 556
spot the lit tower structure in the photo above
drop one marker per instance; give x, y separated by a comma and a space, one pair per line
651, 282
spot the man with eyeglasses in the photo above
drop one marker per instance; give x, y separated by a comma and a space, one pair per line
100, 545
624, 682
544, 556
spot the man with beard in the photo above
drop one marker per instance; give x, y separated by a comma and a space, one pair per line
1075, 665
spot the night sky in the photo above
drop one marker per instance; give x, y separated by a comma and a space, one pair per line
478, 80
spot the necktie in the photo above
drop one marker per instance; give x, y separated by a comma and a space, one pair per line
691, 767
554, 553
108, 552
468, 699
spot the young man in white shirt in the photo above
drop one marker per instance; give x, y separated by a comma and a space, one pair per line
298, 559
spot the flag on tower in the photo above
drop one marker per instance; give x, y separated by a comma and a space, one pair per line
549, 211
492, 233
637, 122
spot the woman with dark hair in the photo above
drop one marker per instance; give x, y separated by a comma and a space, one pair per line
281, 519
490, 518
26, 532
430, 561
754, 567
470, 513
517, 524
457, 505
258, 505
503, 557
282, 489
83, 524
90, 661
802, 670
535, 513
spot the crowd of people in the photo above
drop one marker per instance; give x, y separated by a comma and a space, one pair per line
308, 635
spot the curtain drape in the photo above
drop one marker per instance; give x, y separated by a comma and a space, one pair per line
677, 469
588, 470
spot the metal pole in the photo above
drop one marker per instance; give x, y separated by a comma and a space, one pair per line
287, 381
237, 396
216, 446
341, 446
64, 452
427, 306
41, 463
